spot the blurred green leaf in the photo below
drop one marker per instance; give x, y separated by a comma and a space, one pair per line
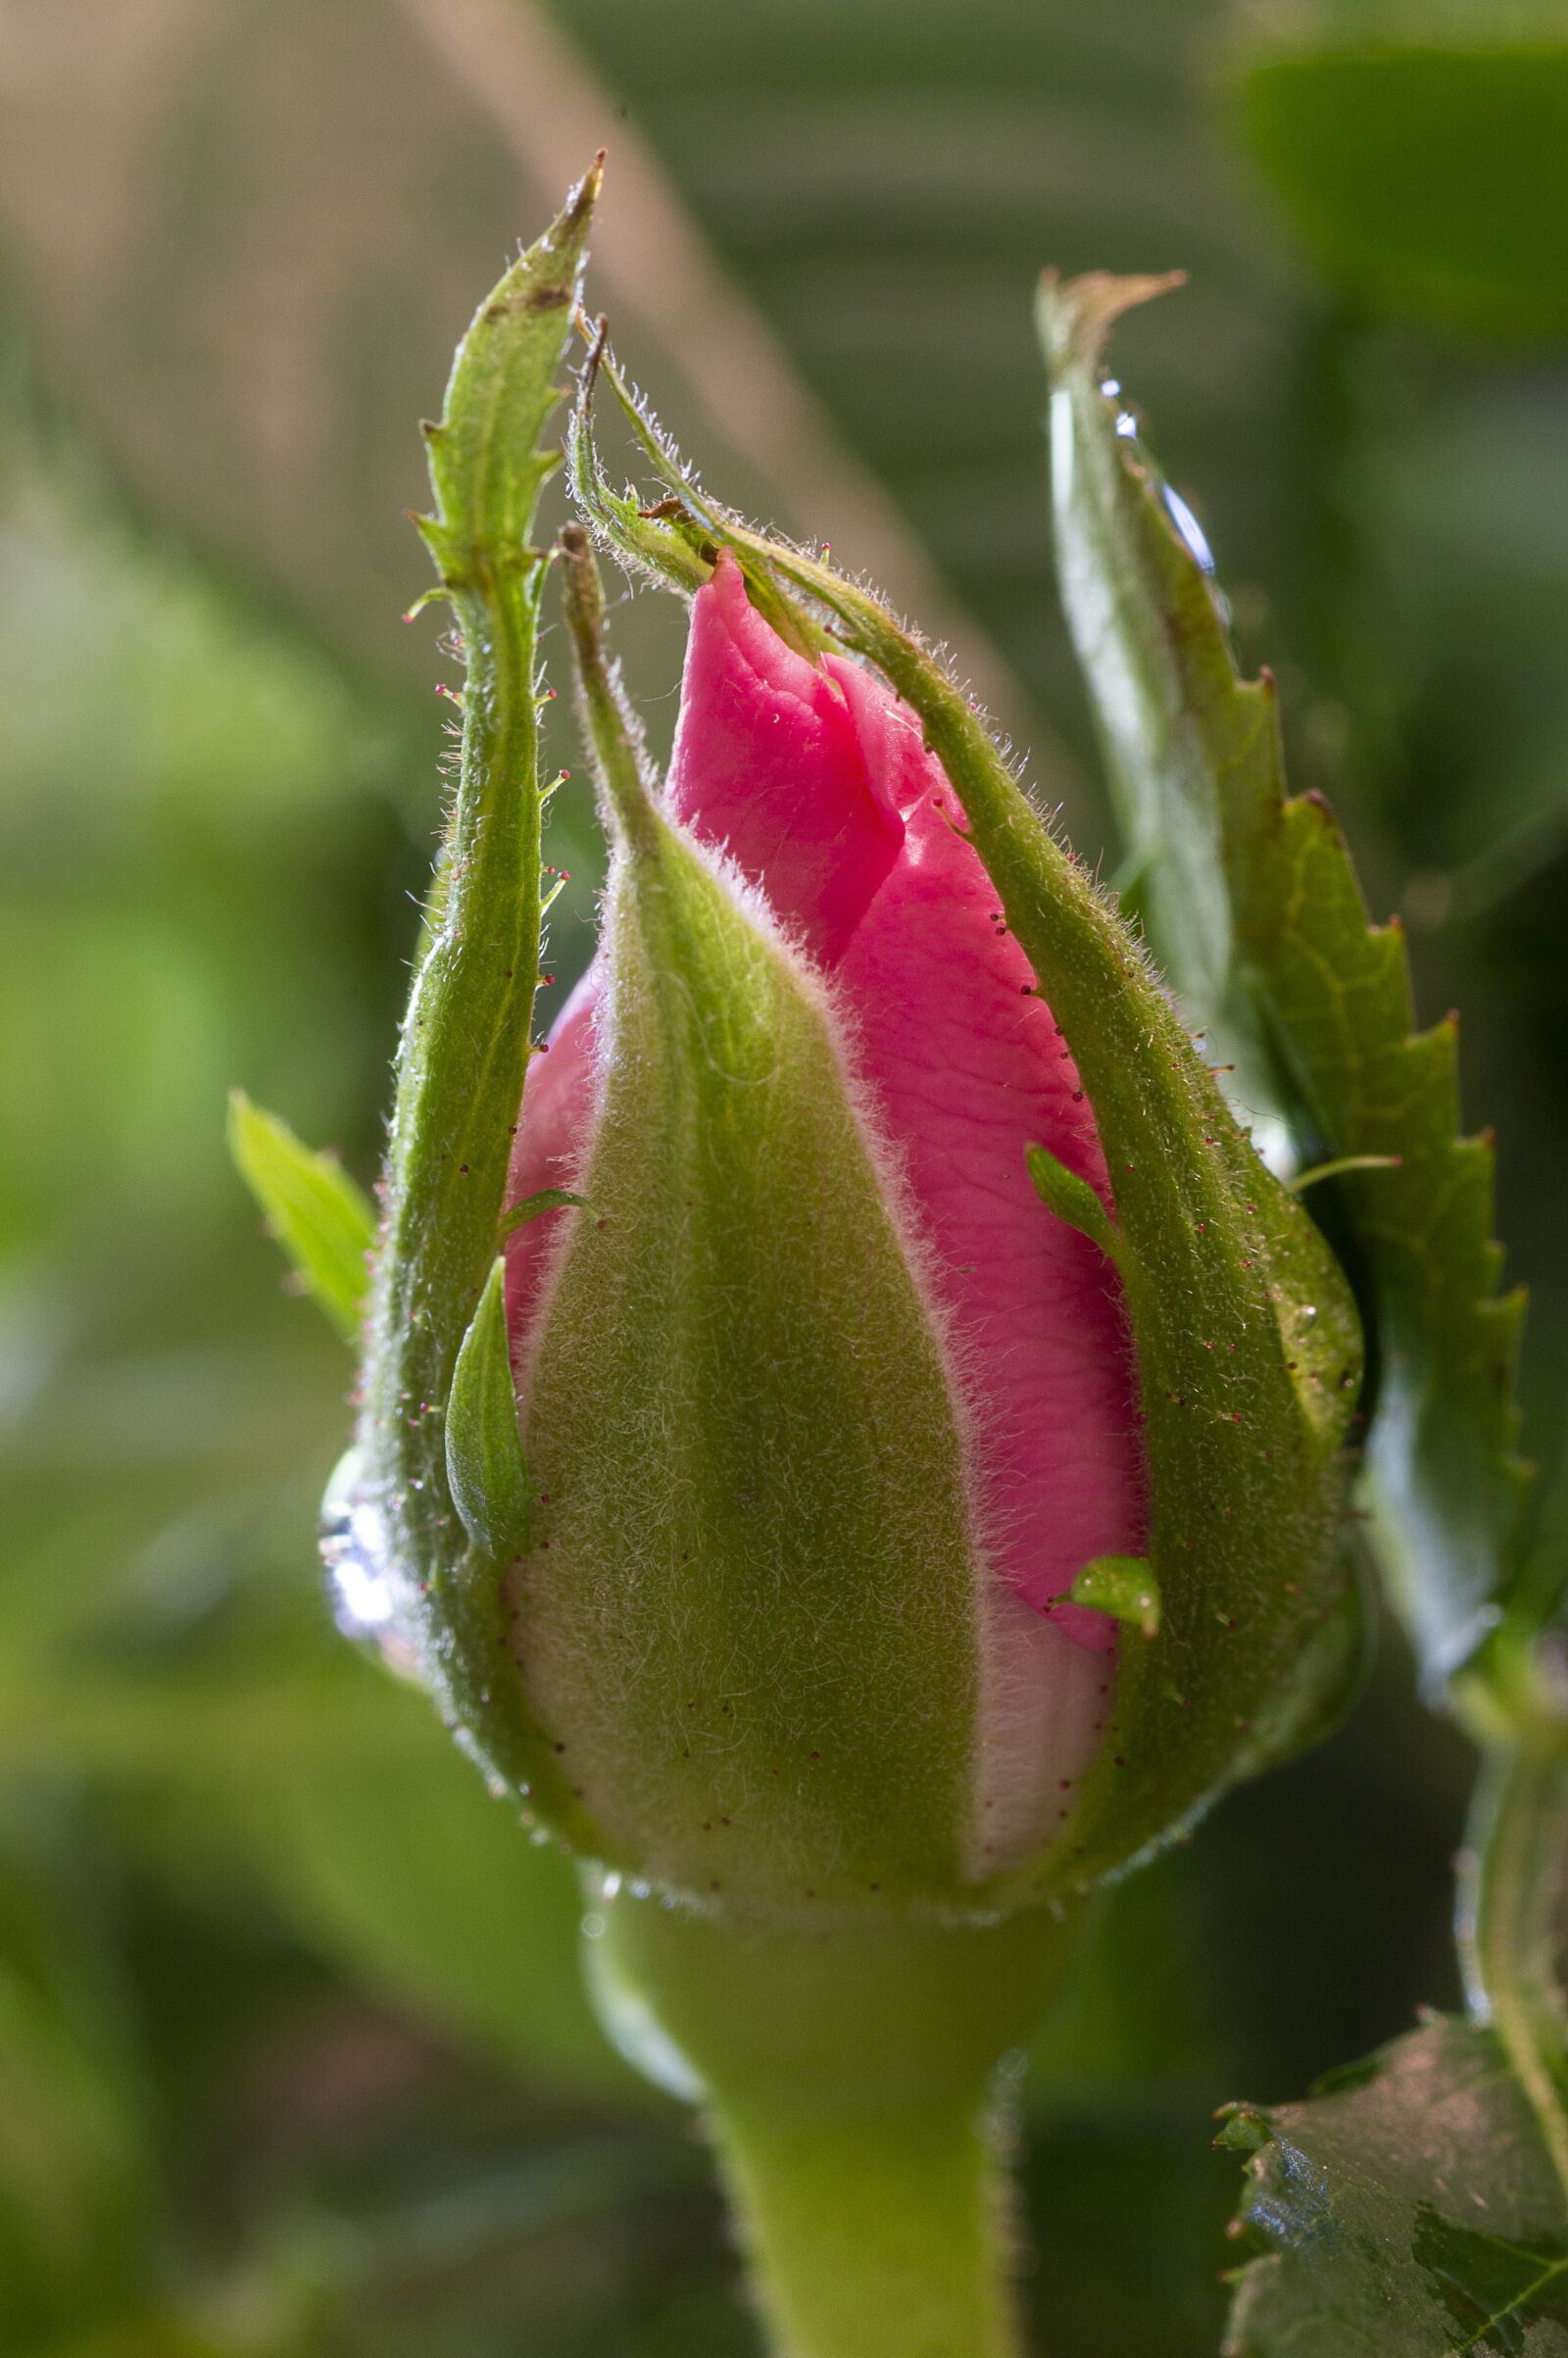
401, 1865
1194, 751
1139, 2017
1420, 149
323, 1221
1407, 2209
77, 2179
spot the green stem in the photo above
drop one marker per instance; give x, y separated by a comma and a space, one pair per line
881, 2236
849, 2073
1512, 1885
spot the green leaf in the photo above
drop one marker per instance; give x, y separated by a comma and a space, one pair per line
1245, 1409
393, 1859
486, 1468
1193, 756
78, 2181
1407, 2209
324, 1223
1420, 2201
467, 1039
1420, 150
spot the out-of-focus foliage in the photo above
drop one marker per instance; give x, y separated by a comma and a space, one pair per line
1422, 153
289, 2010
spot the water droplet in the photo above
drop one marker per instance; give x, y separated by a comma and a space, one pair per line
356, 1551
1309, 1313
1188, 525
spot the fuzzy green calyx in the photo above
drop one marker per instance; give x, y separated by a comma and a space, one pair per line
754, 1637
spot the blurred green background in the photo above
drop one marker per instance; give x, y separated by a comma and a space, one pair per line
293, 2054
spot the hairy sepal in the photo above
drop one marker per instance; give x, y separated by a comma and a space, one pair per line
1246, 1338
1254, 905
467, 1039
749, 1617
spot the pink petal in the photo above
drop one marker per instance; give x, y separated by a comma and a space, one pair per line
767, 766
968, 1070
549, 1149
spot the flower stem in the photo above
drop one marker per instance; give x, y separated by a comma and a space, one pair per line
874, 2235
849, 2071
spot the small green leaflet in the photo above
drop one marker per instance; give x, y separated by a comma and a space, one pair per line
1408, 2208
1254, 909
1070, 1198
1122, 1585
323, 1221
547, 1199
486, 1468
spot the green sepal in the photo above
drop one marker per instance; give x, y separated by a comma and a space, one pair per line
323, 1221
1246, 1396
750, 1614
467, 1039
487, 466
1123, 1586
1070, 1198
669, 543
1336, 1662
1194, 760
485, 1466
655, 543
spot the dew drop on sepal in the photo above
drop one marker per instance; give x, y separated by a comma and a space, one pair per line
357, 1553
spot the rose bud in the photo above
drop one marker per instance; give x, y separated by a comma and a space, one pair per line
833, 1422
852, 1436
